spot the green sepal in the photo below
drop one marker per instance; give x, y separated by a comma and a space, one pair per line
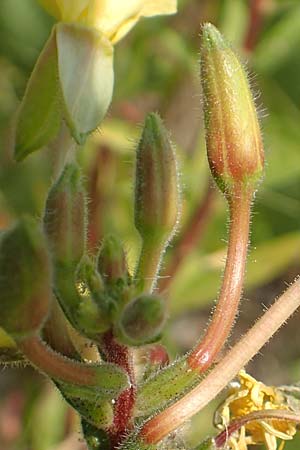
25, 281
165, 387
97, 410
85, 66
40, 113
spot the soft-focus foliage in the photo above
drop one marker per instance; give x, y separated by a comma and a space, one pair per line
156, 69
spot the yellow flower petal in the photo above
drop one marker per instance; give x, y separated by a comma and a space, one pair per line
114, 18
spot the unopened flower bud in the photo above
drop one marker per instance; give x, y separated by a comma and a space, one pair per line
156, 190
142, 320
65, 218
233, 137
112, 263
25, 281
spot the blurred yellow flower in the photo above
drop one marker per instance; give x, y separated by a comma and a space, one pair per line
244, 397
114, 18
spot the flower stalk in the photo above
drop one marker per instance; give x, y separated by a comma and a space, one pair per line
173, 417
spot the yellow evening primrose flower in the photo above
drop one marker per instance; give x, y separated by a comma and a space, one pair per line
247, 396
114, 18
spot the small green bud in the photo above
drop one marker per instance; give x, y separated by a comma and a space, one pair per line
94, 307
112, 264
25, 282
233, 137
156, 189
142, 320
65, 218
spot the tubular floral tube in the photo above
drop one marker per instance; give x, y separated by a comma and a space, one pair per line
235, 154
171, 418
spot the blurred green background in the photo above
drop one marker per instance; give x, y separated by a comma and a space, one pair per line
156, 68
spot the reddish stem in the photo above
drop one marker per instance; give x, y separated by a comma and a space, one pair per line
235, 425
123, 407
57, 366
224, 315
158, 427
190, 236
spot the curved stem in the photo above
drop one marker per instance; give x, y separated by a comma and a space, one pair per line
224, 315
266, 414
171, 418
57, 366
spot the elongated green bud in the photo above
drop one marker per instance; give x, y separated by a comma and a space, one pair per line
142, 320
65, 218
25, 281
233, 137
156, 199
156, 189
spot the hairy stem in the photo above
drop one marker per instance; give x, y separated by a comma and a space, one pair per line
224, 315
123, 407
177, 414
148, 265
266, 414
57, 366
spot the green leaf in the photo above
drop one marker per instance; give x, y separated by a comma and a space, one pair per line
39, 116
85, 67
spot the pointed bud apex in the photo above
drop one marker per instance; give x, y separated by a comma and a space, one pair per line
142, 320
233, 137
25, 282
156, 190
112, 263
65, 218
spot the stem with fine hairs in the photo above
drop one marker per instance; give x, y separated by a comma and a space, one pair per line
57, 366
177, 414
267, 414
204, 354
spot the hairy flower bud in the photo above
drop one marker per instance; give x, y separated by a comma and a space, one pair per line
25, 281
233, 137
112, 263
142, 320
156, 190
65, 217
